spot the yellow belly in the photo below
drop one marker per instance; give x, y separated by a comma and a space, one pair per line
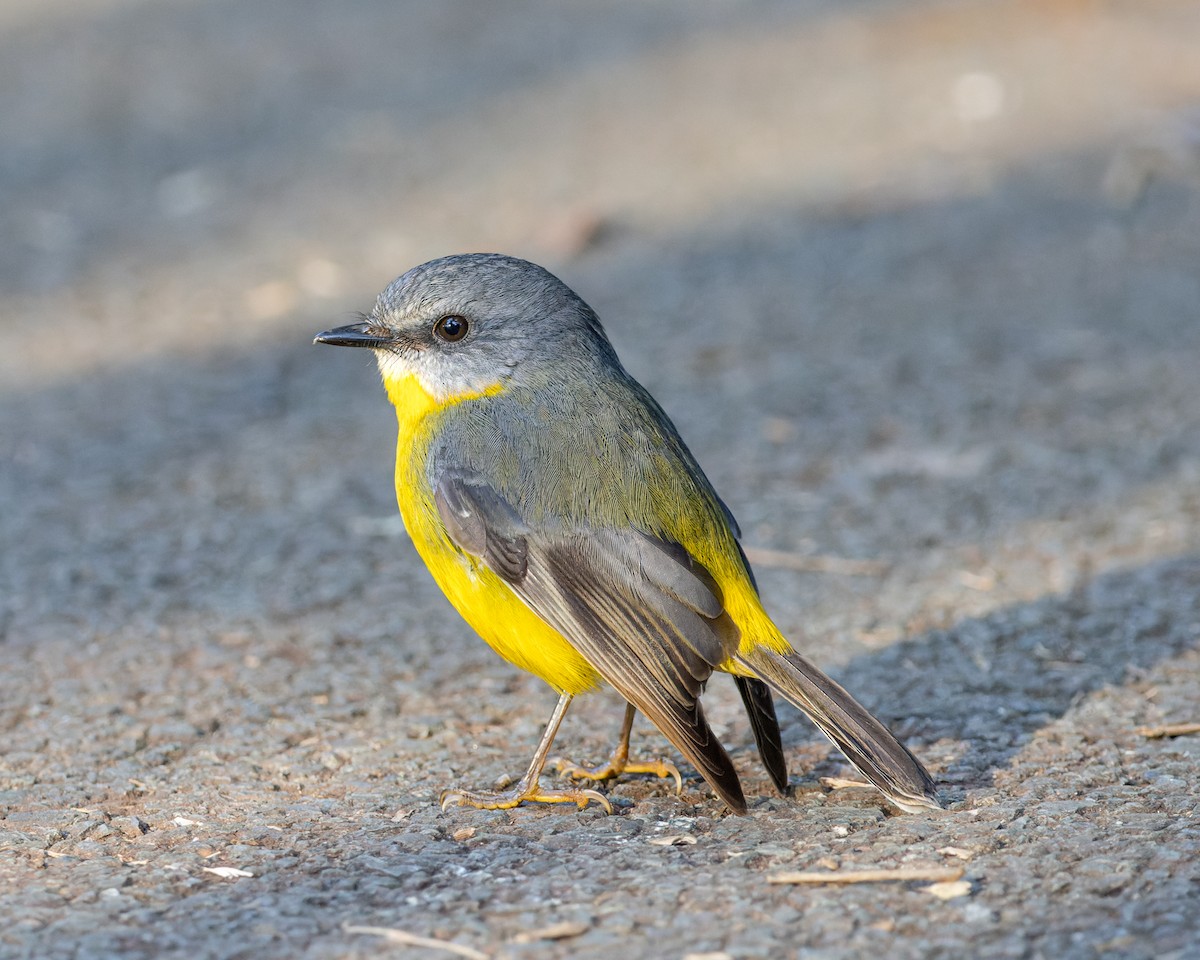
485, 601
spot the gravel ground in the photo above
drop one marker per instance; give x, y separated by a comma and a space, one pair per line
919, 283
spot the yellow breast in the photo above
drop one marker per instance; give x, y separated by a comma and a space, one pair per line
485, 601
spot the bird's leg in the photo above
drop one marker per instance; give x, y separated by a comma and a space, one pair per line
527, 789
618, 761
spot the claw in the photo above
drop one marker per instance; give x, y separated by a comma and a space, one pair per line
450, 798
587, 795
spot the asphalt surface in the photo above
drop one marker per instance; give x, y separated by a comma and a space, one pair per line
919, 283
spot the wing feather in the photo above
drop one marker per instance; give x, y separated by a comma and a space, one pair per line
640, 610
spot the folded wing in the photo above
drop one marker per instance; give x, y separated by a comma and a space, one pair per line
640, 610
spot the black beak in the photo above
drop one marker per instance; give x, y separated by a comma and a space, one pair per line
352, 335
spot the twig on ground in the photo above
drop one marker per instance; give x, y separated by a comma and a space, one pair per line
565, 930
816, 562
1168, 730
841, 783
391, 935
900, 875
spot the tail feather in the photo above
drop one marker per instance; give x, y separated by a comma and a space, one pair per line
756, 695
865, 741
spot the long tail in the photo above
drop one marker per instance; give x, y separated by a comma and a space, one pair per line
866, 742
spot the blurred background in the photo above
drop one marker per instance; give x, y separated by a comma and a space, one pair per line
919, 282
852, 246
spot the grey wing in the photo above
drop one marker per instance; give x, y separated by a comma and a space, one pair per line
640, 610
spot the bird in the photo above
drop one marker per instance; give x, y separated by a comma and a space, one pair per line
557, 507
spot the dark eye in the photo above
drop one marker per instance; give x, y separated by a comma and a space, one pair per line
451, 328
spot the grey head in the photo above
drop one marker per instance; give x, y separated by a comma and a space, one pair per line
469, 323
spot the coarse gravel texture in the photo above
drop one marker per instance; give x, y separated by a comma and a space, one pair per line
919, 283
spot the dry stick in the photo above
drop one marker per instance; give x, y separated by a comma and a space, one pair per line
816, 563
412, 940
932, 874
1168, 730
841, 783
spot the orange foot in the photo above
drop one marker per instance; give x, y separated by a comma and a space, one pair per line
526, 791
618, 764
